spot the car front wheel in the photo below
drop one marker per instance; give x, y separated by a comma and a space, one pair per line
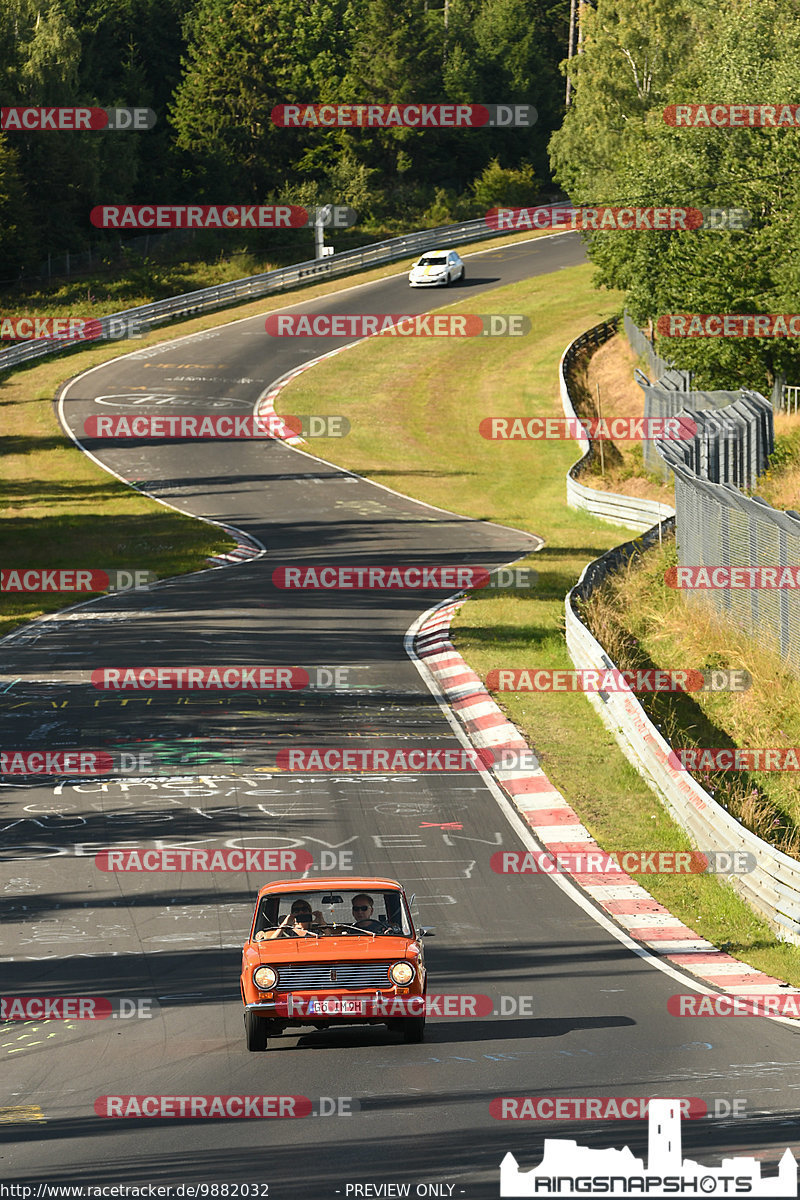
255, 1031
463, 275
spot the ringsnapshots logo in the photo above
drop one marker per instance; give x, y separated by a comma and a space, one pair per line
75, 580
570, 1170
639, 681
76, 1008
738, 577
617, 429
732, 116
623, 862
199, 216
404, 116
75, 119
362, 325
331, 578
729, 325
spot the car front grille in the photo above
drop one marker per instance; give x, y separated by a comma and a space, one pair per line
303, 977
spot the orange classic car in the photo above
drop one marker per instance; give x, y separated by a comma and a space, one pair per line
326, 952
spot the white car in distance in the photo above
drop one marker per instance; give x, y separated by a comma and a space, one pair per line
437, 268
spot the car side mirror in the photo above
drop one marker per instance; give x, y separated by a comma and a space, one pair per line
427, 932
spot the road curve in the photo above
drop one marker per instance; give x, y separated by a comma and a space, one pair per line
574, 1012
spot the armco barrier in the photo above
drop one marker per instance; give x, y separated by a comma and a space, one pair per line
207, 299
629, 511
773, 888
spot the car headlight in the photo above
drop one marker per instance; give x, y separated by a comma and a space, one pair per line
265, 978
401, 973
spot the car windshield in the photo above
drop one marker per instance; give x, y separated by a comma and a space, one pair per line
432, 260
355, 913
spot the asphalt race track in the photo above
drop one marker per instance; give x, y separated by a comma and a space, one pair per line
574, 1012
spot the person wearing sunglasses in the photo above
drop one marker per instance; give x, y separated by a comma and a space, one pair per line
363, 914
296, 923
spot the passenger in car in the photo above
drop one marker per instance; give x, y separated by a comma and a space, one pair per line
296, 923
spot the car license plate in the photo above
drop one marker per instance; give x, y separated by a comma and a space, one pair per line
337, 1007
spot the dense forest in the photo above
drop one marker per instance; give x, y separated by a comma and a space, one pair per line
213, 70
615, 147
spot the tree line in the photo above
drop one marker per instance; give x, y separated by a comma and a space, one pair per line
213, 70
616, 147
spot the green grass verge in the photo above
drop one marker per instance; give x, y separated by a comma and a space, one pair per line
414, 407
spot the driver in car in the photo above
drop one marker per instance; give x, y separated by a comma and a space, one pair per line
363, 914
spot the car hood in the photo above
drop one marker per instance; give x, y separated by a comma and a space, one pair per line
432, 270
330, 948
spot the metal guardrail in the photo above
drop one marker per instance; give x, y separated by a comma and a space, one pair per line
207, 299
773, 887
632, 512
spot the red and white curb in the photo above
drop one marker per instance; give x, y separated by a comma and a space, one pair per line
243, 551
265, 404
557, 826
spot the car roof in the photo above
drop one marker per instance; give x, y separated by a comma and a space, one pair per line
448, 251
362, 883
